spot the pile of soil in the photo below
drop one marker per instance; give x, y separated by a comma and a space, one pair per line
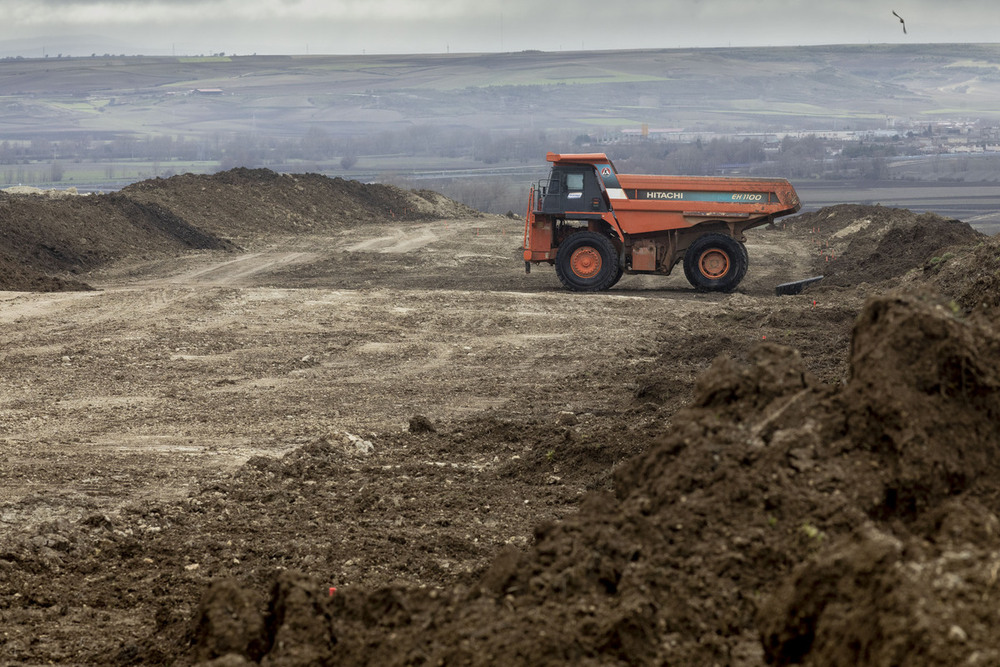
46, 241
245, 203
968, 274
855, 244
780, 519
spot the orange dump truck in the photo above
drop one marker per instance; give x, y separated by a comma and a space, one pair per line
595, 224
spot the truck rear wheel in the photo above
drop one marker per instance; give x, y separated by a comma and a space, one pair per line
618, 276
715, 263
587, 262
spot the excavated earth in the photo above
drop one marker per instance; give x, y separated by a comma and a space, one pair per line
290, 420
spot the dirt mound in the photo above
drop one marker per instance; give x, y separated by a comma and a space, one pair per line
856, 244
780, 519
23, 279
247, 204
47, 239
970, 275
876, 599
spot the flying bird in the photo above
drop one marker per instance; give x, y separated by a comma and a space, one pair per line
900, 20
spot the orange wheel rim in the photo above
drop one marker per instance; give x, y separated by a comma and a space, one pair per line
714, 264
585, 262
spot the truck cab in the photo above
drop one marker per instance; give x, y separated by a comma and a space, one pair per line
576, 190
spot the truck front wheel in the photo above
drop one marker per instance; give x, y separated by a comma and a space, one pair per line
715, 263
587, 262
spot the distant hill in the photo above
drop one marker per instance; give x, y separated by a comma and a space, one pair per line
53, 46
747, 89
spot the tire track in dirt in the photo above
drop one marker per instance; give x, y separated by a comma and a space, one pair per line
239, 271
398, 240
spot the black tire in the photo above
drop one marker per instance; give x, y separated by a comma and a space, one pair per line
621, 272
716, 263
587, 262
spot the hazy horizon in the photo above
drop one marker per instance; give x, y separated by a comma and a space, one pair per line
37, 28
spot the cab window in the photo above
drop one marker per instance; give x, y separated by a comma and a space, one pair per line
574, 182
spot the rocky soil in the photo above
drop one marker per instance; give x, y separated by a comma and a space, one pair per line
289, 420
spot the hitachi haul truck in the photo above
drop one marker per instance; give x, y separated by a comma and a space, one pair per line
595, 224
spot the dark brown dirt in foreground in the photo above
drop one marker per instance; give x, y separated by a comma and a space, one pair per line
282, 400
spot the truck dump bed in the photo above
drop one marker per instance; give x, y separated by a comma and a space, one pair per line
646, 204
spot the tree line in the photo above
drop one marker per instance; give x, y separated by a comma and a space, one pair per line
319, 150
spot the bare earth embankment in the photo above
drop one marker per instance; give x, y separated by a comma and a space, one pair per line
253, 389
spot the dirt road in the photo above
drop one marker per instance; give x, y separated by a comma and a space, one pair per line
121, 404
218, 357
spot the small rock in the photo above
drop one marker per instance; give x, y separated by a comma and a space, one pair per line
957, 634
567, 418
98, 521
801, 459
421, 424
359, 444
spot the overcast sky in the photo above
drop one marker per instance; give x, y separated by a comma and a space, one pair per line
188, 27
